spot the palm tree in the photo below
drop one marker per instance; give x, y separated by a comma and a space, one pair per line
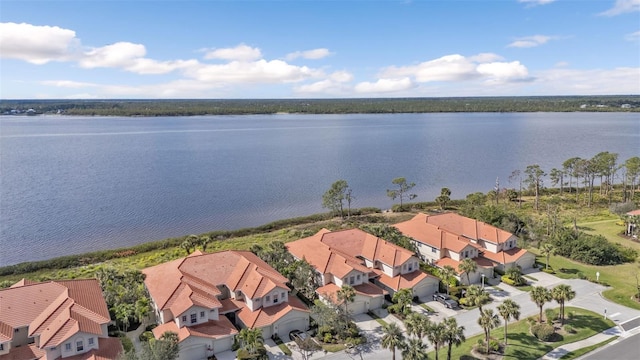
508, 309
547, 249
561, 294
468, 266
392, 338
251, 339
417, 325
540, 295
414, 349
488, 321
454, 334
477, 296
346, 294
204, 241
403, 298
446, 273
437, 335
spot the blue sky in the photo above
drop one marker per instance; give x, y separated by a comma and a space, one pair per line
318, 49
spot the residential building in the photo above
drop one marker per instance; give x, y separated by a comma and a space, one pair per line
448, 238
55, 320
373, 266
205, 298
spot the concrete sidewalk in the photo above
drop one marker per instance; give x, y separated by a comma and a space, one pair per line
595, 339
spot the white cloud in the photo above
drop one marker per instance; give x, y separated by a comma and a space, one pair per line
536, 2
341, 76
261, 71
384, 85
616, 81
485, 57
309, 54
561, 64
447, 68
241, 52
68, 84
504, 72
633, 36
335, 84
530, 41
621, 7
121, 54
36, 44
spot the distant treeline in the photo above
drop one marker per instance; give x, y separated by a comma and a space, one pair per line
617, 103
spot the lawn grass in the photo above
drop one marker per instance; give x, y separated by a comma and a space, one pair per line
575, 354
523, 345
621, 278
430, 310
333, 347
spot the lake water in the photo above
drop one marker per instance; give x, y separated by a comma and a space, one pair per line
77, 184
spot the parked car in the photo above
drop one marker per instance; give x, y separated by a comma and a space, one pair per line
445, 300
297, 334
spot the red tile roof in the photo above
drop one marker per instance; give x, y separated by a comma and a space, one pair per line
213, 329
634, 212
28, 352
330, 291
108, 349
404, 281
506, 256
269, 315
54, 310
194, 280
338, 253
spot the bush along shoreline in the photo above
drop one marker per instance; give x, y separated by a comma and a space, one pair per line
76, 260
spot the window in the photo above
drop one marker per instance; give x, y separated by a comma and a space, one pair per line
201, 314
67, 347
410, 267
404, 266
2, 347
275, 299
90, 341
466, 253
433, 250
184, 318
358, 277
351, 280
79, 345
194, 318
16, 330
282, 295
268, 298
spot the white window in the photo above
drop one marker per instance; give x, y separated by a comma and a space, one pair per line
194, 318
184, 318
275, 299
358, 277
282, 295
466, 253
351, 280
2, 347
202, 314
268, 298
433, 250
90, 341
410, 267
67, 347
79, 345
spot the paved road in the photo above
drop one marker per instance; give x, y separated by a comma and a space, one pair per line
625, 349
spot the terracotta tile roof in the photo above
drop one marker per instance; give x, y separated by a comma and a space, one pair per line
505, 257
6, 332
330, 291
634, 212
338, 253
454, 263
470, 228
229, 305
194, 280
269, 315
405, 281
54, 310
108, 349
213, 329
28, 352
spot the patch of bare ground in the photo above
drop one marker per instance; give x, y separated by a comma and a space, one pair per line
478, 353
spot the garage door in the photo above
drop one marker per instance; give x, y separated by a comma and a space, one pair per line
297, 324
358, 307
193, 352
425, 290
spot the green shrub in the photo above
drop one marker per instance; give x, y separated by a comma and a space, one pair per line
498, 271
146, 336
570, 329
507, 280
463, 302
327, 338
543, 332
127, 345
549, 270
494, 345
550, 315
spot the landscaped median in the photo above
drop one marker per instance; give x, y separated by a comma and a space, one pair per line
523, 345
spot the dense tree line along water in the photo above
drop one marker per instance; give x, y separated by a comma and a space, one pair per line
77, 184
